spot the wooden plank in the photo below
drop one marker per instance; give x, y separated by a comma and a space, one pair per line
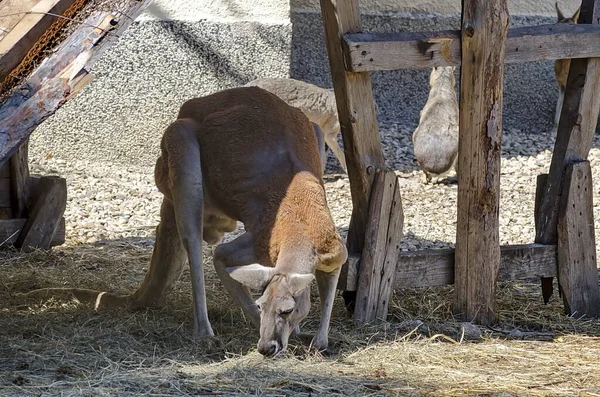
381, 249
11, 12
576, 129
19, 180
577, 268
358, 121
45, 214
69, 62
430, 268
10, 229
17, 43
435, 267
5, 193
484, 28
547, 283
365, 52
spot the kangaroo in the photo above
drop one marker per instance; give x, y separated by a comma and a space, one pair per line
435, 140
318, 104
561, 66
244, 155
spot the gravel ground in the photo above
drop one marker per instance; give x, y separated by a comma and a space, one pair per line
114, 201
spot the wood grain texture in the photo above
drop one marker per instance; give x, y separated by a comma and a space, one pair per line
380, 254
48, 207
576, 129
10, 229
577, 268
68, 64
477, 255
547, 283
19, 181
435, 267
17, 43
358, 121
409, 50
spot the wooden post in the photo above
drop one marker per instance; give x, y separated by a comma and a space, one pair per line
547, 283
358, 122
381, 250
577, 269
576, 128
19, 179
45, 215
484, 29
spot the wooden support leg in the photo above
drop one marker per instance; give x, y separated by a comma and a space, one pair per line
575, 134
381, 250
484, 29
19, 177
358, 123
45, 214
577, 269
546, 282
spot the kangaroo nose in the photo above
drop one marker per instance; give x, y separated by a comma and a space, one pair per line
269, 348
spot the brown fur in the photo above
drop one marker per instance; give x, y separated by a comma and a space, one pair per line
242, 155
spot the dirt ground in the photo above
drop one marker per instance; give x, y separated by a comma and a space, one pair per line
66, 349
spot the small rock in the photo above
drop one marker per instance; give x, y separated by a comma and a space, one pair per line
469, 331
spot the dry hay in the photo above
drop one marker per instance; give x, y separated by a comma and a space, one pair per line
63, 348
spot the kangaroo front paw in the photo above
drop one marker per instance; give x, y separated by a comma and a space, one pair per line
203, 332
319, 343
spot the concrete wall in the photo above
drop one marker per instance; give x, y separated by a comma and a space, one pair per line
181, 49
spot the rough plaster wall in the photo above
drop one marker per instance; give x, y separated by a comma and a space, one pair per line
162, 61
530, 88
265, 11
141, 82
533, 7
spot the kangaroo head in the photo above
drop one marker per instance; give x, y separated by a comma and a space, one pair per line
285, 302
561, 66
561, 17
441, 73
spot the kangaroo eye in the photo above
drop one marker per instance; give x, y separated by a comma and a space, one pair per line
286, 312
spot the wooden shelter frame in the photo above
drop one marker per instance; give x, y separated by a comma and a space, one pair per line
564, 243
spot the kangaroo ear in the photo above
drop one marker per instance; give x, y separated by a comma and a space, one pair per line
559, 13
298, 282
575, 16
253, 276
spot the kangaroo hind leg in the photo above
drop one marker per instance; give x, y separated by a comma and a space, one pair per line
181, 152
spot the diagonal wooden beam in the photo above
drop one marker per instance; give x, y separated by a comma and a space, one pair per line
576, 128
408, 50
358, 121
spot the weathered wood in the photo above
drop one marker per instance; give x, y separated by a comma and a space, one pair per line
11, 12
382, 246
435, 267
19, 180
576, 128
365, 52
577, 269
10, 229
17, 43
484, 28
45, 214
358, 120
69, 62
547, 283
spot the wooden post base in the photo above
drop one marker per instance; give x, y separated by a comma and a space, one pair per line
577, 268
45, 214
380, 253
